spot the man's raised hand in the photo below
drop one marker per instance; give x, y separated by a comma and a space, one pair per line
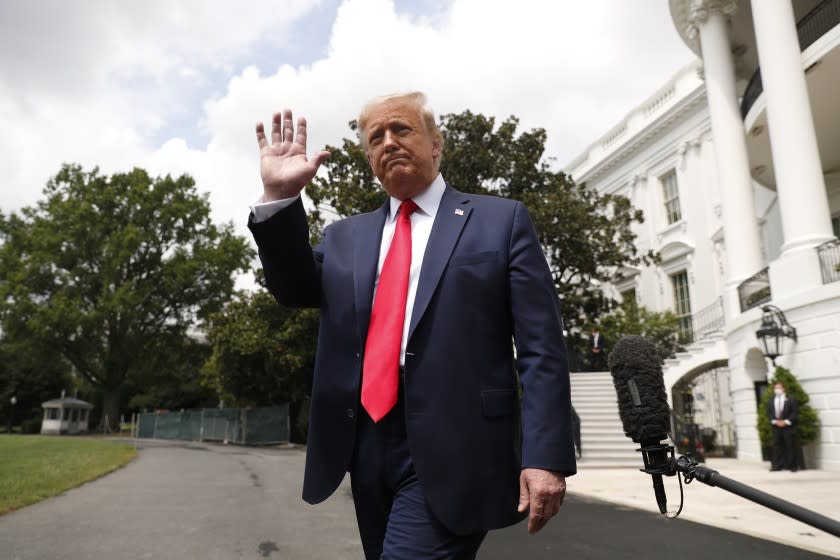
284, 167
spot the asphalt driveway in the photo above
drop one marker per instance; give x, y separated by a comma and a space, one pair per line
201, 501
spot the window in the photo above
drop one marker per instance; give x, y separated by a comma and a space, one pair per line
835, 226
82, 415
682, 306
66, 415
52, 414
671, 196
75, 416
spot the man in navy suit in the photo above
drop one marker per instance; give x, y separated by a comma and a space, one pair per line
597, 351
783, 413
415, 390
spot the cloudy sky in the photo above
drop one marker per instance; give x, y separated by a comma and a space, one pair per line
176, 86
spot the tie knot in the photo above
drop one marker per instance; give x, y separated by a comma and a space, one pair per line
408, 207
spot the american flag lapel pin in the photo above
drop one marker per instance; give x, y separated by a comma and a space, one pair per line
459, 212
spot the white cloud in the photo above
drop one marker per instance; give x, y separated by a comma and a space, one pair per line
93, 82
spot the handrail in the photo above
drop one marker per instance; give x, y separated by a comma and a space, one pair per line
829, 254
755, 290
708, 320
816, 23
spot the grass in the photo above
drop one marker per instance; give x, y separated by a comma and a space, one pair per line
33, 468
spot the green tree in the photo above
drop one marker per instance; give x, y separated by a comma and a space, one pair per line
808, 425
174, 381
32, 376
103, 268
586, 235
263, 355
631, 319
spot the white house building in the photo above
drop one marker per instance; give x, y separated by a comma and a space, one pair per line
736, 165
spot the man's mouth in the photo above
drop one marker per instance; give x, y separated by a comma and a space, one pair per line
396, 161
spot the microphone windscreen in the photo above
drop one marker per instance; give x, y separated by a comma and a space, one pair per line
639, 385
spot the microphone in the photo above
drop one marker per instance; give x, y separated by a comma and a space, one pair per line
636, 370
643, 406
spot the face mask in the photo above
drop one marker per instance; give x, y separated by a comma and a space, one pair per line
778, 391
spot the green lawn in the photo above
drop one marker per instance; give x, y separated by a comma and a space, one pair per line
33, 468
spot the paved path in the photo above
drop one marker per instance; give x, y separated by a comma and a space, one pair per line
195, 501
187, 501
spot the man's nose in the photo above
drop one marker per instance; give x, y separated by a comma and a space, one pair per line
389, 140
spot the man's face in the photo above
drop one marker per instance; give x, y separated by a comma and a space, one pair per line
779, 388
401, 152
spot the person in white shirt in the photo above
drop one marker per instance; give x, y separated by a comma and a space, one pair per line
783, 412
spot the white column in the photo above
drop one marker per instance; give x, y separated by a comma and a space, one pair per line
806, 221
740, 227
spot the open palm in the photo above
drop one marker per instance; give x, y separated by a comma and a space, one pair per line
284, 167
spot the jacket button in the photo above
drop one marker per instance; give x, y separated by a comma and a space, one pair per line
350, 413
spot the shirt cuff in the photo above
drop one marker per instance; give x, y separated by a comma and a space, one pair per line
265, 210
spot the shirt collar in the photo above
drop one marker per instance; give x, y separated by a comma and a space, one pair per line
427, 202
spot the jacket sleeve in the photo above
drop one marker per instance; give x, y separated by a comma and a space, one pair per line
292, 268
793, 413
542, 362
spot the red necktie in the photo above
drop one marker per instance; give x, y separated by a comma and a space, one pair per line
380, 377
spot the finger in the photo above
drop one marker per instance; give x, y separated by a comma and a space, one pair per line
275, 127
552, 507
288, 130
261, 140
536, 520
523, 495
300, 137
537, 514
319, 158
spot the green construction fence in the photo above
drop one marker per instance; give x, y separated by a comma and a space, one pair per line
247, 426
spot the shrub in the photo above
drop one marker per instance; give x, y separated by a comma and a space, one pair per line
808, 426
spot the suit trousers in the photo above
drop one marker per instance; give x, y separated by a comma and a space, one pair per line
395, 522
784, 448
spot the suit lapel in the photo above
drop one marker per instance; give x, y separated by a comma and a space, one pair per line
452, 216
367, 237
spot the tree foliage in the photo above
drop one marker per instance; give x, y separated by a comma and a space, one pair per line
175, 381
586, 235
632, 319
32, 377
808, 425
104, 270
263, 354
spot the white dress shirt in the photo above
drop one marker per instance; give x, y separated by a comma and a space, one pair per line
421, 228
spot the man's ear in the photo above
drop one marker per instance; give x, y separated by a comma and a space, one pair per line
437, 144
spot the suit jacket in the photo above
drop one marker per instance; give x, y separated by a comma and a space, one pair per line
484, 282
790, 410
602, 342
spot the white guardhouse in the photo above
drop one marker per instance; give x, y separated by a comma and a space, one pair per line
736, 165
66, 415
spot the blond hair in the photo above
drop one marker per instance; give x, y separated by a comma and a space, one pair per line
416, 98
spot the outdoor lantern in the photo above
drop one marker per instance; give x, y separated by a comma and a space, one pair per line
774, 328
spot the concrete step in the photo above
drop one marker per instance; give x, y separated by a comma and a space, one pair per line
591, 379
602, 434
586, 463
595, 396
616, 439
620, 448
583, 412
605, 455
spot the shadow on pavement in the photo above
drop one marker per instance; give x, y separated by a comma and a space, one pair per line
591, 529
